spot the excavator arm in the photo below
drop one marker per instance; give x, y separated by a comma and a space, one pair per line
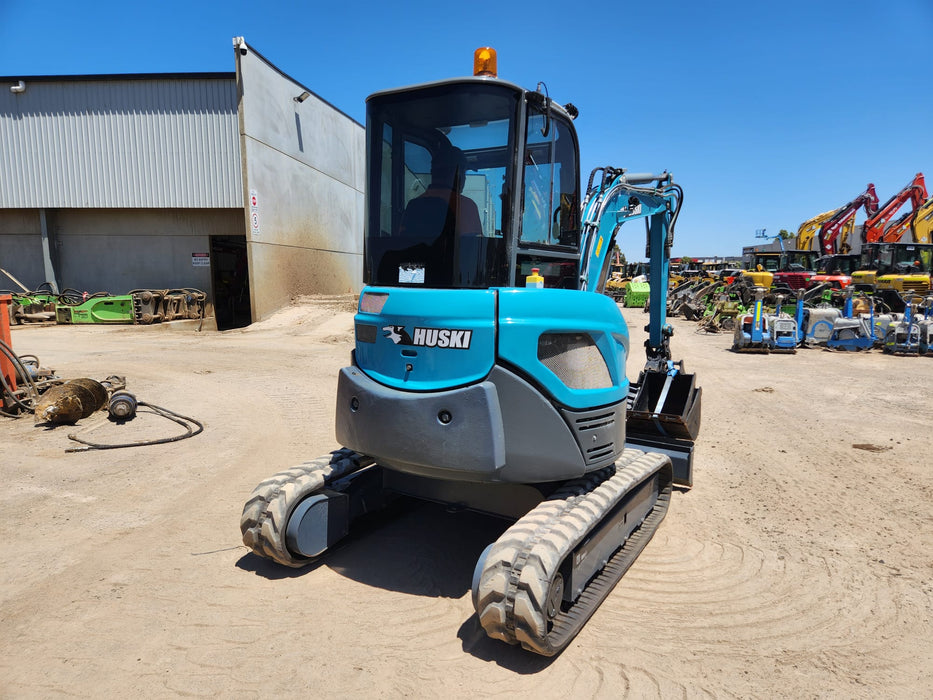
664, 404
874, 230
843, 219
619, 197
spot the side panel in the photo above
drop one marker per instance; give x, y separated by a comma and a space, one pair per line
426, 339
527, 314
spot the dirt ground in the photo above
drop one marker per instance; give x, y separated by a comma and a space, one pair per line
800, 564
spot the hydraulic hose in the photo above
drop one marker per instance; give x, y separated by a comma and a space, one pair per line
23, 373
183, 421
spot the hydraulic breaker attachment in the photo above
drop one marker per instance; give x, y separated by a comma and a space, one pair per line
116, 309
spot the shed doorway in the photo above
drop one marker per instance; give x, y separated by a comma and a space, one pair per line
230, 280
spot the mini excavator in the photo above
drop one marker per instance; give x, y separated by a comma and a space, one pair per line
489, 370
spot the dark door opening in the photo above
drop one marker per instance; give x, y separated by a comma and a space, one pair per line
230, 279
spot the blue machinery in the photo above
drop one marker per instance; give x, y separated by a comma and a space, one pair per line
758, 332
473, 386
664, 404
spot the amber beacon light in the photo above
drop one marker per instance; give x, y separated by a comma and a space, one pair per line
484, 62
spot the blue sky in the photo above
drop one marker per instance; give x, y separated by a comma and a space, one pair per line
767, 113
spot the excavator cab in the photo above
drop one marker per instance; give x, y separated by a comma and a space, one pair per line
514, 204
448, 248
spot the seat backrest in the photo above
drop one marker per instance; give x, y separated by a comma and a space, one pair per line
427, 218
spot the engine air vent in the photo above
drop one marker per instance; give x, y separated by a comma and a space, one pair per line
575, 359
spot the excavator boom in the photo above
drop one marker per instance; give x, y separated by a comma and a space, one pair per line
619, 197
843, 218
809, 228
875, 225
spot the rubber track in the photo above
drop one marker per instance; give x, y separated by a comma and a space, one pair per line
266, 513
511, 594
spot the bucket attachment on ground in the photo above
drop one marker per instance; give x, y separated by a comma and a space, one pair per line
665, 404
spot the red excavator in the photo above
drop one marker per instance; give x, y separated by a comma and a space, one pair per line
843, 217
875, 227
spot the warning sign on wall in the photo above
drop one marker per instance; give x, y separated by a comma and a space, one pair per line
254, 214
200, 260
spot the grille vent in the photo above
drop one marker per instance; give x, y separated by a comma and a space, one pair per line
603, 424
575, 359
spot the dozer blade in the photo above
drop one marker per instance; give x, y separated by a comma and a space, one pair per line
540, 582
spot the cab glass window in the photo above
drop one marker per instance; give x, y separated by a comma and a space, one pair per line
550, 201
440, 161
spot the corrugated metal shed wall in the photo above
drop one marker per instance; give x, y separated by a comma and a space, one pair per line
159, 141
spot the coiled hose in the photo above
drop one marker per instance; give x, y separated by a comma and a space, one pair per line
183, 421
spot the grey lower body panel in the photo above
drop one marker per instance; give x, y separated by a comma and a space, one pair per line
501, 429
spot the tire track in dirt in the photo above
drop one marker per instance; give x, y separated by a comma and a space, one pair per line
721, 594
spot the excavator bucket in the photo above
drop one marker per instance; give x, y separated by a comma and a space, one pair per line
665, 404
664, 415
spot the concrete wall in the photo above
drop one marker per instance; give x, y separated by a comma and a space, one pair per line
20, 249
116, 250
305, 163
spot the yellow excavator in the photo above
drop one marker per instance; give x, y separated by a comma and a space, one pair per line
923, 222
809, 228
911, 264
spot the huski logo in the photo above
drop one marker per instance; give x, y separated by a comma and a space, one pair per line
397, 334
430, 337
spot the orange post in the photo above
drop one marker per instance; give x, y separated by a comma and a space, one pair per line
6, 366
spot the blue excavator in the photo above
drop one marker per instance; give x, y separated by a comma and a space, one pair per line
489, 370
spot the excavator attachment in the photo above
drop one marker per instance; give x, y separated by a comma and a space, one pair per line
667, 405
664, 416
664, 404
